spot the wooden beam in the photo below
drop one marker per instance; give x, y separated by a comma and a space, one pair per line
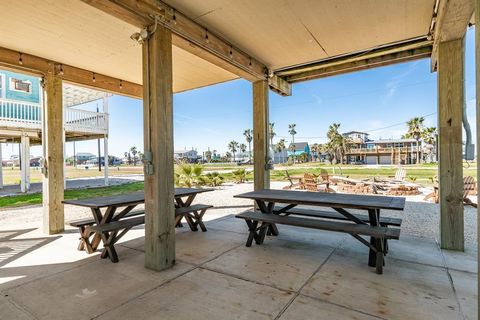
407, 51
450, 23
450, 109
53, 174
190, 36
40, 66
158, 142
260, 135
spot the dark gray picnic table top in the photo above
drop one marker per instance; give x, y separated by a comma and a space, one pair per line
128, 198
332, 200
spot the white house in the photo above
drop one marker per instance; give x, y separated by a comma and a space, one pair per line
190, 156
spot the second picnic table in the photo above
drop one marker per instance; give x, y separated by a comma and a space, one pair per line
101, 221
372, 225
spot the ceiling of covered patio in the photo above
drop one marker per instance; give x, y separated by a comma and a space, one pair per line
279, 34
291, 32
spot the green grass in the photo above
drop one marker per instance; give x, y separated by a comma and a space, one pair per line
36, 198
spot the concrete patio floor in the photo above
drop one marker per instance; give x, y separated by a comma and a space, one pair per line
300, 274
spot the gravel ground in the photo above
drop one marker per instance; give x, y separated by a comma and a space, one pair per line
419, 218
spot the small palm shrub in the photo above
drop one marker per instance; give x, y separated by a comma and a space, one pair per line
213, 179
189, 175
412, 178
240, 175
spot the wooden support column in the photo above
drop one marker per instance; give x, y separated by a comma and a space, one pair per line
52, 140
25, 163
1, 166
477, 76
450, 104
105, 141
260, 135
158, 142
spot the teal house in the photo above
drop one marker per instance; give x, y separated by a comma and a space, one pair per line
19, 87
300, 149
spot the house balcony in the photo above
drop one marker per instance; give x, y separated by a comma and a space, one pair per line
364, 151
17, 117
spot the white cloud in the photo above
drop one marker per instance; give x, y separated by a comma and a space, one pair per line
394, 83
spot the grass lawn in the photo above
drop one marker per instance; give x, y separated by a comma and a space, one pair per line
31, 199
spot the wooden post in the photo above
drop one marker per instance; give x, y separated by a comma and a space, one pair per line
52, 140
450, 104
1, 166
105, 141
158, 142
25, 163
260, 136
477, 76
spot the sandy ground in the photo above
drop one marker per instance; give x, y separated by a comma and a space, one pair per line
419, 218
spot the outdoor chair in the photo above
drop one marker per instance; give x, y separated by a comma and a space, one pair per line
400, 175
469, 188
310, 183
292, 185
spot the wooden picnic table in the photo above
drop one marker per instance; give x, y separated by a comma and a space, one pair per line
267, 199
183, 199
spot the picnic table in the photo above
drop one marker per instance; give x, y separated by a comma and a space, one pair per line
341, 220
107, 222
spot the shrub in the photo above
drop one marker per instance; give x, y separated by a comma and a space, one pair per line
240, 175
213, 179
189, 175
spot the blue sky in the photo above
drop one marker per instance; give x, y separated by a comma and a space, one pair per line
369, 101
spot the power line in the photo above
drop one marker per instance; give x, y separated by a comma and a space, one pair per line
398, 124
368, 131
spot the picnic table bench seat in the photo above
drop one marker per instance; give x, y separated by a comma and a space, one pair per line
193, 214
85, 234
86, 222
258, 233
112, 232
384, 221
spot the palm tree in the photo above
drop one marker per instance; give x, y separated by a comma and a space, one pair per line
415, 128
243, 148
338, 145
249, 137
280, 147
134, 152
314, 150
232, 146
208, 155
271, 132
429, 135
127, 155
291, 130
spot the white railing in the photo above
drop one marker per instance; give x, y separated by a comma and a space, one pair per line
85, 121
18, 115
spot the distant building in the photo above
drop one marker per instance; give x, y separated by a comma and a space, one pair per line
190, 156
382, 151
83, 157
301, 149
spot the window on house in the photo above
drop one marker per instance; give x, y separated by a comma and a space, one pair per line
20, 85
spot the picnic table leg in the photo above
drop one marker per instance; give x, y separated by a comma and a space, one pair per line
252, 228
101, 219
268, 209
85, 240
373, 216
181, 204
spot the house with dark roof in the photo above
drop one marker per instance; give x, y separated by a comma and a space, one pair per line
300, 148
382, 151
